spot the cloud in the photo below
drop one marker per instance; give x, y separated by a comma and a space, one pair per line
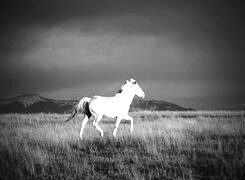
186, 49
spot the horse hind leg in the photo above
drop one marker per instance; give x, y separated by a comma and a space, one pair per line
85, 120
95, 123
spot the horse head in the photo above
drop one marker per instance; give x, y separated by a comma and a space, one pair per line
133, 86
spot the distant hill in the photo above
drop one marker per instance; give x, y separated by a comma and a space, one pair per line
34, 103
156, 105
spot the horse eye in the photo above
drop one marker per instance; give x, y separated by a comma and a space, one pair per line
134, 82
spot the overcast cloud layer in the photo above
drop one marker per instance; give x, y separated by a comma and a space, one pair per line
187, 52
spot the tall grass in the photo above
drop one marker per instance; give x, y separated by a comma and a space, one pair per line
163, 145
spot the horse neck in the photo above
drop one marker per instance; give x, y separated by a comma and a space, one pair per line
127, 97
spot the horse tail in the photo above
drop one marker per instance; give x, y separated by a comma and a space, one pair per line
81, 107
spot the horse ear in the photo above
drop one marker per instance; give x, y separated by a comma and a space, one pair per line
133, 81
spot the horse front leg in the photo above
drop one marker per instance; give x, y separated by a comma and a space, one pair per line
127, 117
117, 124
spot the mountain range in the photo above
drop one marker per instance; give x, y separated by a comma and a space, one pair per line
34, 103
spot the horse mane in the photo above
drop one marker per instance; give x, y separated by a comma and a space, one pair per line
120, 91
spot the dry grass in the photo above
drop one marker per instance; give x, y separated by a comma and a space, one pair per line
163, 145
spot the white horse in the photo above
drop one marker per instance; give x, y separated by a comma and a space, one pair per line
115, 106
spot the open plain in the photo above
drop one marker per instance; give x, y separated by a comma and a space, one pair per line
163, 145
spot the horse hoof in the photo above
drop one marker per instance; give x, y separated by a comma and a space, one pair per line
114, 134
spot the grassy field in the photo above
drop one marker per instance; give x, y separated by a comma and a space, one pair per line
163, 145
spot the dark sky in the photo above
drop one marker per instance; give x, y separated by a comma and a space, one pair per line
187, 52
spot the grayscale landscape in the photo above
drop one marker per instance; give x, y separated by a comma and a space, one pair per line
122, 89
